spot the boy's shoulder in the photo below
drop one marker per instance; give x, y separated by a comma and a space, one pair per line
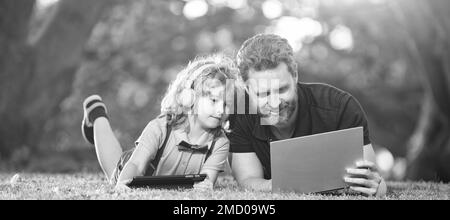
158, 124
161, 120
154, 130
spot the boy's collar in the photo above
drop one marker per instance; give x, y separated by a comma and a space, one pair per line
182, 135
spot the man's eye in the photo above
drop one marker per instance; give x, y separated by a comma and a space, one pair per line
263, 94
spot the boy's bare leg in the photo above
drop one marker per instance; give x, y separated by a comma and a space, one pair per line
107, 147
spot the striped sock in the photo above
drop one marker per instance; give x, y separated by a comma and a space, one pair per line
96, 109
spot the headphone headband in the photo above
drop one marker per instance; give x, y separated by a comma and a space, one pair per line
197, 72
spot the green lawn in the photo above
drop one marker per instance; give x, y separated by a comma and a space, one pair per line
94, 186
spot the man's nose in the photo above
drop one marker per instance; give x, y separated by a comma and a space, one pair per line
274, 101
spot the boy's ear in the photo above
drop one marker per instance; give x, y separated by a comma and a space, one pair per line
295, 75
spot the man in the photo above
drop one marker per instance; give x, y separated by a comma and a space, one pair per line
294, 109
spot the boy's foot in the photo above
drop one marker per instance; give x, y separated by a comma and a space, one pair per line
93, 108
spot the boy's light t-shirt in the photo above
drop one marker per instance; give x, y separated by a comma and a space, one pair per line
174, 161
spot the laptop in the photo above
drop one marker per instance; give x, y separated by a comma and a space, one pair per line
167, 182
315, 163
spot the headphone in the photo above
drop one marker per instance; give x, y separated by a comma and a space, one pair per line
186, 98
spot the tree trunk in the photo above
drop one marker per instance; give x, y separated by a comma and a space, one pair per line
37, 74
428, 25
16, 60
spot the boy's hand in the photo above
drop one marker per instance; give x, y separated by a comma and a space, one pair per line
122, 186
364, 178
205, 185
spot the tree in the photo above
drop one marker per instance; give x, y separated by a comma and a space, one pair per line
428, 24
36, 72
418, 33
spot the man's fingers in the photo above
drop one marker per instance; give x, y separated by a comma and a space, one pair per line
361, 181
360, 172
366, 191
367, 165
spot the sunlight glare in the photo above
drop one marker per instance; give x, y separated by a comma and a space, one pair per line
42, 4
195, 9
305, 28
236, 4
341, 38
385, 160
46, 3
272, 9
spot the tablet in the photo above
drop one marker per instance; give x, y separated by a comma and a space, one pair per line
169, 182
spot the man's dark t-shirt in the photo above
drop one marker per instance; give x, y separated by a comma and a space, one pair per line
322, 108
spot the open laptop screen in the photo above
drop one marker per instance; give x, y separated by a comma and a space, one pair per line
315, 163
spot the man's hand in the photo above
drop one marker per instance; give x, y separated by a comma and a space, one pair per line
248, 172
365, 179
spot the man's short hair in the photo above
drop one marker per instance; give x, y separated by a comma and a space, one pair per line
265, 51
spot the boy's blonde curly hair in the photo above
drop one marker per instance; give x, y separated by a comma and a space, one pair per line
218, 67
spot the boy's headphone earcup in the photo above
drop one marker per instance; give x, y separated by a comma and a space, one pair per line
186, 98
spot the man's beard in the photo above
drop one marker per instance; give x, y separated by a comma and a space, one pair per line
278, 116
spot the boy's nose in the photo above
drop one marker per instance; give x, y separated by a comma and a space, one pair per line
220, 109
220, 112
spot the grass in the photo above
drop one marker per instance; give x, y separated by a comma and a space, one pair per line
94, 186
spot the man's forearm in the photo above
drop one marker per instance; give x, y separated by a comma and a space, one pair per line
257, 184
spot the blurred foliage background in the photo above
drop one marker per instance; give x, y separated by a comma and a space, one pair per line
137, 47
